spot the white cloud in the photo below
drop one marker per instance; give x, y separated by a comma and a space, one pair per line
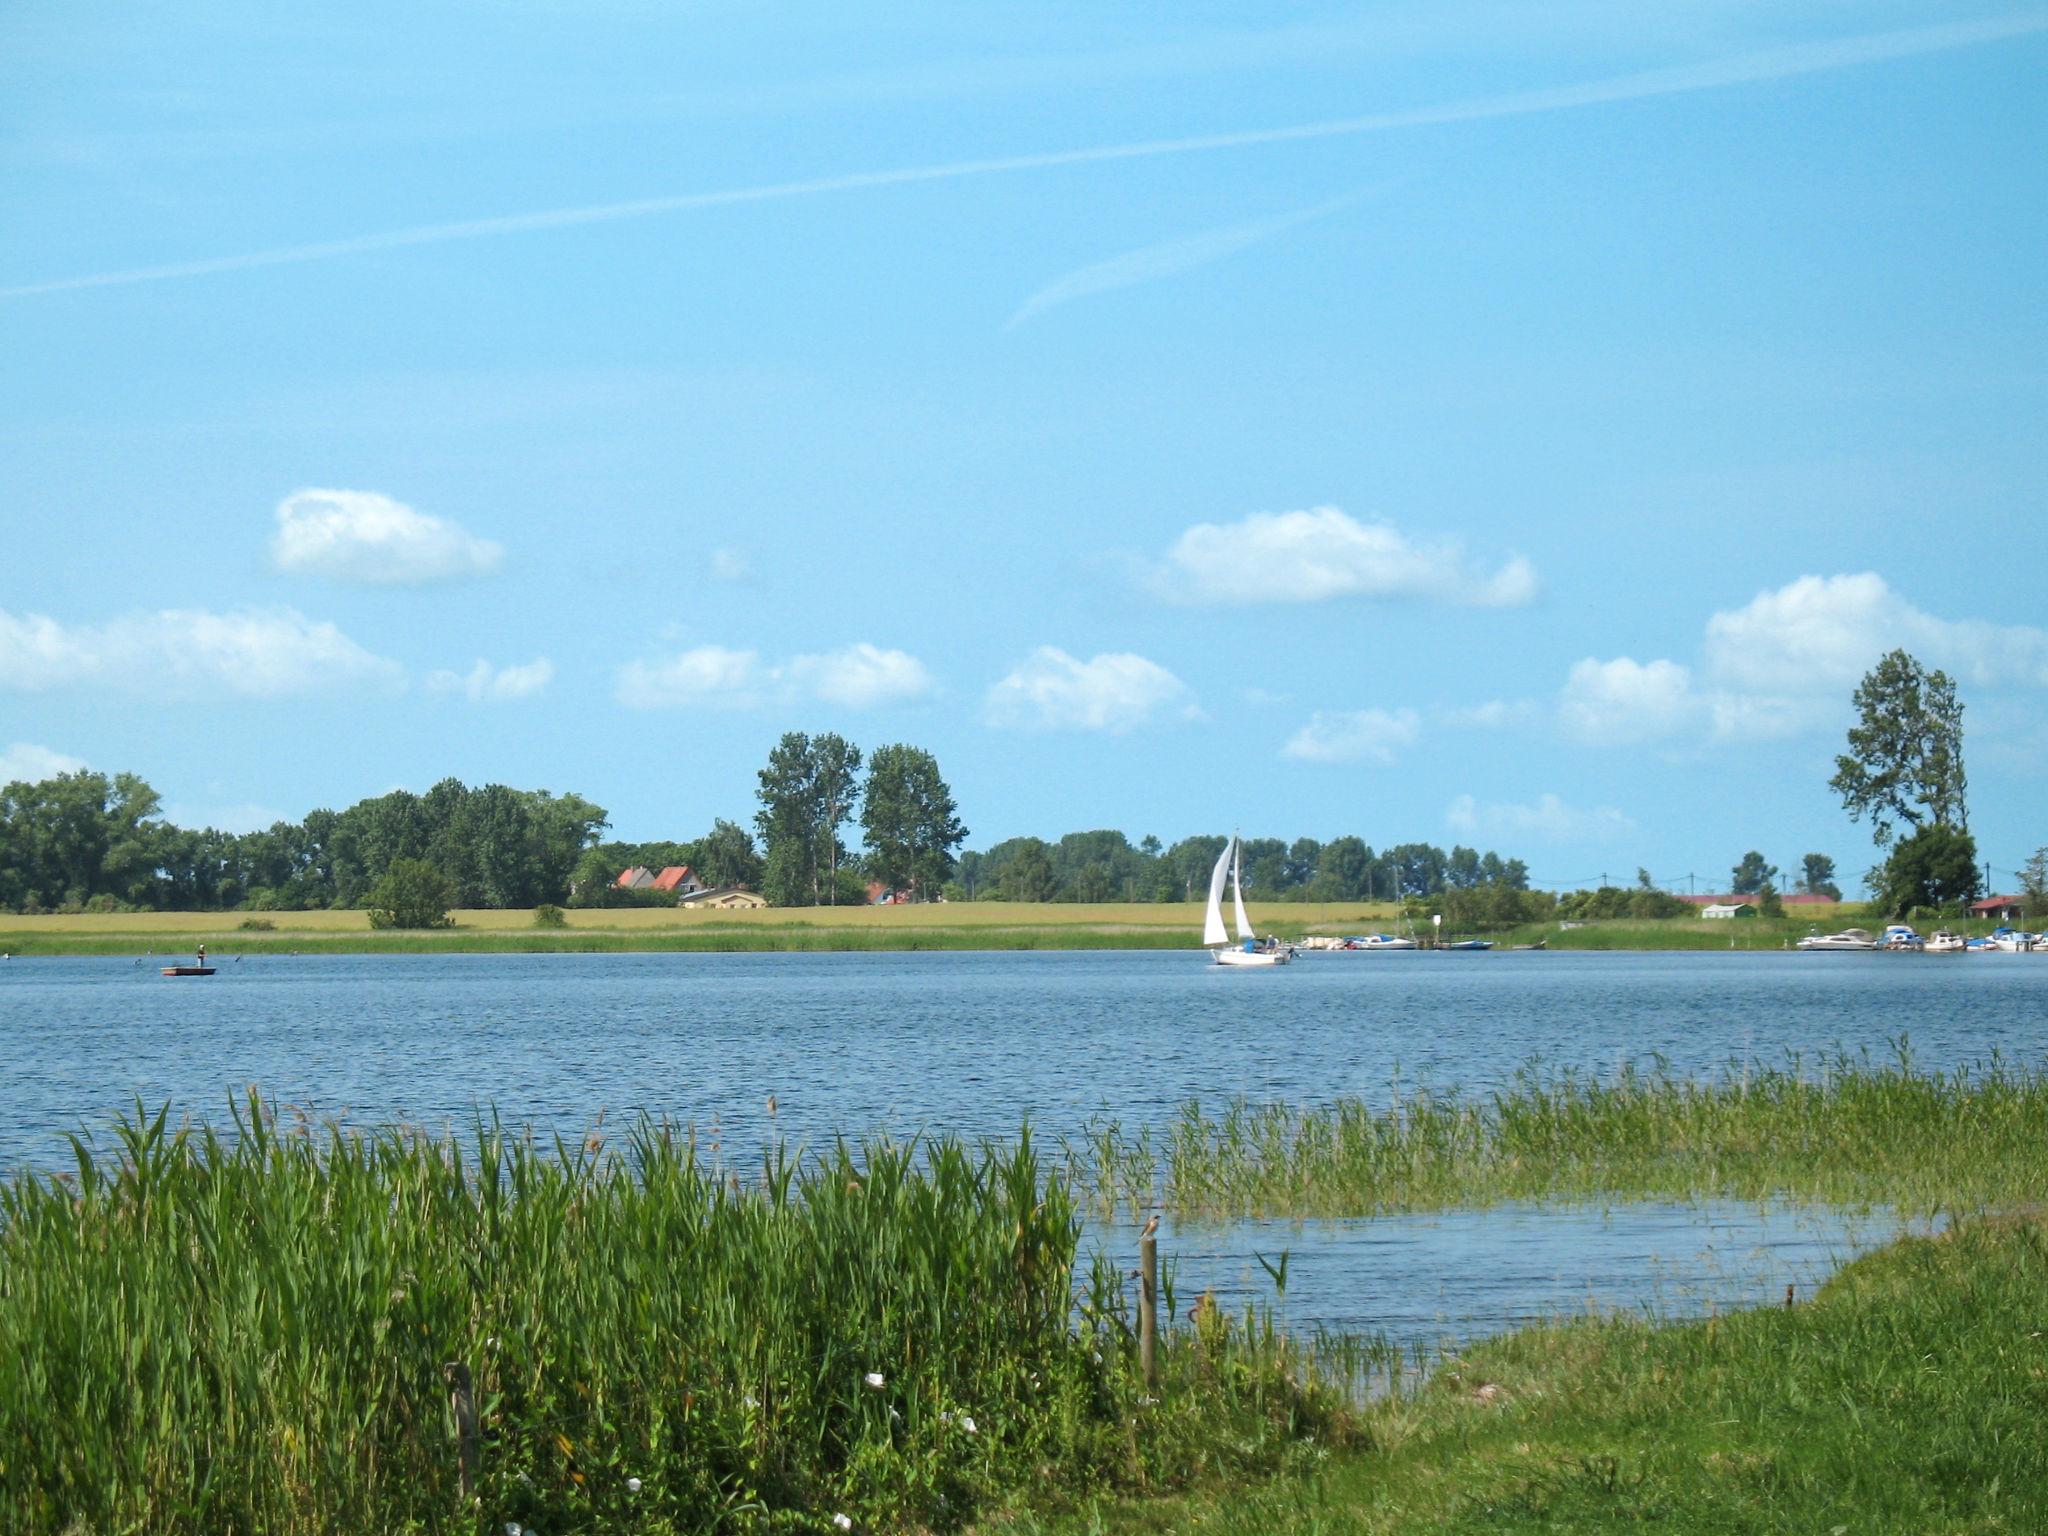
1548, 820
1822, 633
263, 653
1114, 692
362, 537
731, 565
860, 676
1354, 736
1494, 715
1623, 702
1312, 556
486, 684
708, 676
30, 764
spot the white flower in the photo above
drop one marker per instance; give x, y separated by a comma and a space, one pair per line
873, 1379
843, 1522
967, 1422
632, 1485
512, 1528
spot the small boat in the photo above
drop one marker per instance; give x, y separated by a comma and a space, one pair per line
1944, 943
2012, 941
1847, 939
188, 970
1469, 944
1384, 941
1901, 936
1251, 950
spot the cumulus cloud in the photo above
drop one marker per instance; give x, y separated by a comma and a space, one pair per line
262, 653
486, 684
371, 540
1623, 702
1822, 633
1323, 553
706, 676
1548, 820
1354, 736
859, 676
1785, 662
1114, 692
25, 762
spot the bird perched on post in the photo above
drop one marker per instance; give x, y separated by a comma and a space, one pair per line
1151, 1225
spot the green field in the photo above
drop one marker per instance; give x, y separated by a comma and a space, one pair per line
953, 925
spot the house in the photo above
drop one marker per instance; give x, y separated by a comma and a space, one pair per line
1728, 909
679, 878
879, 895
634, 879
2004, 909
725, 898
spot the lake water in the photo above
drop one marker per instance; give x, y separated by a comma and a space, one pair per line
972, 1043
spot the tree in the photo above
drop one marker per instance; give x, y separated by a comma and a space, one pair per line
1817, 877
807, 793
1905, 757
412, 894
2034, 883
1768, 902
1027, 873
1753, 874
726, 856
1935, 868
909, 821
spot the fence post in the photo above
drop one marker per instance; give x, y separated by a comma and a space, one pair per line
1148, 1302
462, 1403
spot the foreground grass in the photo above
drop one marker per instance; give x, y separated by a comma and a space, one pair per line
1910, 1395
259, 1334
1843, 1130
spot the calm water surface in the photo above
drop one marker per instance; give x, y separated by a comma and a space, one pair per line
972, 1043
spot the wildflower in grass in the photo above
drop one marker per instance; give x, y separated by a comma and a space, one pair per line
874, 1379
632, 1485
844, 1522
967, 1422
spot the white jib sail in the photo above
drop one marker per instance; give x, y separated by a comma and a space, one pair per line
1244, 924
1212, 927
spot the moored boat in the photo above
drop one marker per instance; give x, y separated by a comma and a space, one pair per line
1847, 939
1943, 942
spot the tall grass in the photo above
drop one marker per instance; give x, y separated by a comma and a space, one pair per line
1842, 1130
254, 1333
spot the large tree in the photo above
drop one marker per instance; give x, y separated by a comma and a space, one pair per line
807, 793
1934, 869
1753, 874
1905, 757
1817, 877
909, 821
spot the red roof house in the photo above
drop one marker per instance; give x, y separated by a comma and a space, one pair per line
678, 877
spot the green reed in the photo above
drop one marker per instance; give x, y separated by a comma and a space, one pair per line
1841, 1129
255, 1332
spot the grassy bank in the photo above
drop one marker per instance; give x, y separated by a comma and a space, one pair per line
259, 1333
1838, 1130
1908, 1395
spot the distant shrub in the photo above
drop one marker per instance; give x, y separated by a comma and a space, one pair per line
102, 904
257, 925
412, 894
548, 915
613, 896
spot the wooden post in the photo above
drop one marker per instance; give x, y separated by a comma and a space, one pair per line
462, 1402
1148, 1302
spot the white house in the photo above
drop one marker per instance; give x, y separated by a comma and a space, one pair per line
1728, 909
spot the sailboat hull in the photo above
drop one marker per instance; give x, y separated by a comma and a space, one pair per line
1253, 957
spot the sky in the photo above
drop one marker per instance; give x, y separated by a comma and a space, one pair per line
1457, 421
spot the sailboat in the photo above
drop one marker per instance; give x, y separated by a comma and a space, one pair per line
1248, 950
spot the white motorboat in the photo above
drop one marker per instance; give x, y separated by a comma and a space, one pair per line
2012, 941
1847, 939
1384, 941
1901, 936
1944, 943
1249, 950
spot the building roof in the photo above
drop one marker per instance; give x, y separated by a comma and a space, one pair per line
1992, 904
630, 879
673, 876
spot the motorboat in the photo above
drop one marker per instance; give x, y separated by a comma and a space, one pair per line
1847, 939
1384, 941
1250, 949
1944, 943
1469, 944
1901, 936
2012, 941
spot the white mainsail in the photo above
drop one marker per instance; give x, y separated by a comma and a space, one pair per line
1244, 924
1212, 927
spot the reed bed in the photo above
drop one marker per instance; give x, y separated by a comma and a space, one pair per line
1844, 1130
266, 1331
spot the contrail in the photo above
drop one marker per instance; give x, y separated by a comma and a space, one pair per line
1739, 69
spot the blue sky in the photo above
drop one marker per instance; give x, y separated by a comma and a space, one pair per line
1528, 446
